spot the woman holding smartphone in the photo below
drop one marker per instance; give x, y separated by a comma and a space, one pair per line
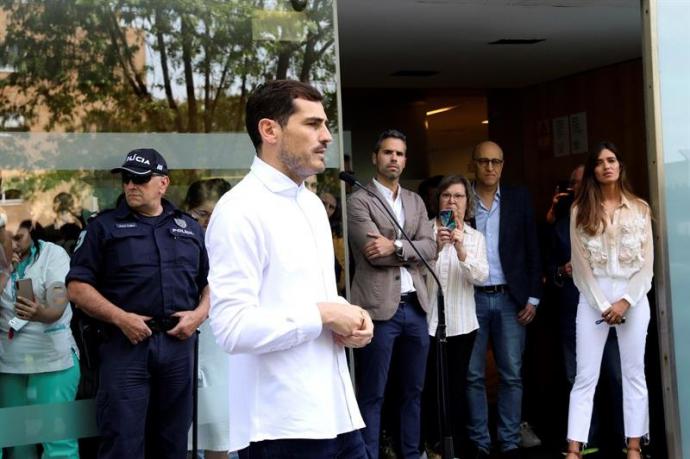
612, 267
461, 264
38, 355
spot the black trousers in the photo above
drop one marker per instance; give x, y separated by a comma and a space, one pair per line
459, 351
144, 400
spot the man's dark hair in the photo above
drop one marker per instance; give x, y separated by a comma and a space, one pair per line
389, 134
273, 100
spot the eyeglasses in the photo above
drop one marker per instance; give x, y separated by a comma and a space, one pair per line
484, 162
456, 196
137, 179
199, 214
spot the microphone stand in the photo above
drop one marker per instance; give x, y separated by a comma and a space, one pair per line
441, 338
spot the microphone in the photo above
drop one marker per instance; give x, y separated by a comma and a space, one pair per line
349, 178
441, 339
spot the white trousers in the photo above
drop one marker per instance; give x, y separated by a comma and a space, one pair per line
590, 341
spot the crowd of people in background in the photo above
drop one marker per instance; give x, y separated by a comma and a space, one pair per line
150, 274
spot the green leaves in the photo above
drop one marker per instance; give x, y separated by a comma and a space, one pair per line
154, 65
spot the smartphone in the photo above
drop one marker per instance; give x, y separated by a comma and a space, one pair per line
25, 289
447, 218
563, 186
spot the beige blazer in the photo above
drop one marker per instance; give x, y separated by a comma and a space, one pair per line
376, 283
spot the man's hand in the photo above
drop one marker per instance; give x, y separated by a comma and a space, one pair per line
614, 315
527, 314
361, 337
551, 214
343, 319
187, 326
568, 269
378, 247
29, 310
133, 326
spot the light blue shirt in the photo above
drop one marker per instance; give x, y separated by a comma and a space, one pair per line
488, 222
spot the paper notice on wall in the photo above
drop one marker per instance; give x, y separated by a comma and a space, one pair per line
561, 136
578, 133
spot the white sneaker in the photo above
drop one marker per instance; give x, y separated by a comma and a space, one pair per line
528, 439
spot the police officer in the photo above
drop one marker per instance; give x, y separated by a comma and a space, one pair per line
141, 269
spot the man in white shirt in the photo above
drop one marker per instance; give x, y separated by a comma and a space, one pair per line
274, 303
389, 283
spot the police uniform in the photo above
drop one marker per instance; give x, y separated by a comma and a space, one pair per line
152, 266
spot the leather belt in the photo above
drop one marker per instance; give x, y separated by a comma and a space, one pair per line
409, 297
503, 288
162, 324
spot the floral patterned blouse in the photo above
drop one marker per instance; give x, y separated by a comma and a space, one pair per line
624, 250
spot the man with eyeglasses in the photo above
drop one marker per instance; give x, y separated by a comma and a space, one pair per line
141, 269
506, 302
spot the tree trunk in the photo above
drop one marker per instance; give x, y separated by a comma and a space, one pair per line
186, 32
208, 120
166, 74
243, 95
284, 61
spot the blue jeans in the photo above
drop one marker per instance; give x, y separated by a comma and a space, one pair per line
345, 446
407, 331
497, 316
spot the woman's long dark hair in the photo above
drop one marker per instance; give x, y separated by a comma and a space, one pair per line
590, 213
36, 232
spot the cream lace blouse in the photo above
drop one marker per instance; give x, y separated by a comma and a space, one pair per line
624, 250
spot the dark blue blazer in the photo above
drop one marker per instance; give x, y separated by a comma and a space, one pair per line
518, 247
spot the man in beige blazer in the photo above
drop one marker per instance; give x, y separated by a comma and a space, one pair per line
389, 282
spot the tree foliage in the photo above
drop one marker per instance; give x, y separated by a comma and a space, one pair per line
156, 65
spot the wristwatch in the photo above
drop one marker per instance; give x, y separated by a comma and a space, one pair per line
398, 247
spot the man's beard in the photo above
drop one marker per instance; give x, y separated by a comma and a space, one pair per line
391, 175
296, 165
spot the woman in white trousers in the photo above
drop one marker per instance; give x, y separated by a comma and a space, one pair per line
612, 267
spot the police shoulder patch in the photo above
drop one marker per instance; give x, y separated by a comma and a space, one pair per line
80, 241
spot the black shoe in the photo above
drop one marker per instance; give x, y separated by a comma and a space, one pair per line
480, 454
514, 453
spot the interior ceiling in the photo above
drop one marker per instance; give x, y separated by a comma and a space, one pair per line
381, 37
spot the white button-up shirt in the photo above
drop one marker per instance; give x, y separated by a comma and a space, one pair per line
458, 279
395, 203
624, 250
271, 262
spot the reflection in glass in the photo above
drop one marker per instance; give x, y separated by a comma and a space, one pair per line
81, 83
126, 70
38, 355
674, 74
149, 66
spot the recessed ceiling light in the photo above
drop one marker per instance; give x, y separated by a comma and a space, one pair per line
517, 41
441, 110
415, 73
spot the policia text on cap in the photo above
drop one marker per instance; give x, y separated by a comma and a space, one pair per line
141, 269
